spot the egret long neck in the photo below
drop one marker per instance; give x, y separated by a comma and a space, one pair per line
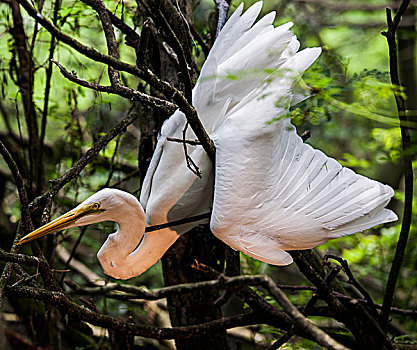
121, 257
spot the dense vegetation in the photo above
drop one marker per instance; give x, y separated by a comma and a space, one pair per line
48, 123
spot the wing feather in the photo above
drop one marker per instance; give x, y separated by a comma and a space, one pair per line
272, 191
279, 193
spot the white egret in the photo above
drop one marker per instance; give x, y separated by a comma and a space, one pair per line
272, 192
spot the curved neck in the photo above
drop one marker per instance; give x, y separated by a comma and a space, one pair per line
122, 258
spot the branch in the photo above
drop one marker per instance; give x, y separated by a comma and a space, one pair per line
173, 40
18, 180
132, 37
72, 173
120, 90
145, 74
133, 292
61, 301
81, 48
322, 288
25, 81
204, 46
65, 305
21, 258
190, 142
85, 272
178, 222
300, 321
47, 91
407, 159
353, 317
352, 280
306, 311
45, 271
107, 25
24, 213
317, 334
156, 294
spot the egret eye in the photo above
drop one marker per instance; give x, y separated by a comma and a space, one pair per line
95, 206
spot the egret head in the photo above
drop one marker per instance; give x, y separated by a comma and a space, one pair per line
105, 205
124, 254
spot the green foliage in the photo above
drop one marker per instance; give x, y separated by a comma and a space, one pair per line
351, 114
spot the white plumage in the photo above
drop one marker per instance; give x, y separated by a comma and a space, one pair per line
272, 192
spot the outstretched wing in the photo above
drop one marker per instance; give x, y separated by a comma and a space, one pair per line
243, 49
275, 193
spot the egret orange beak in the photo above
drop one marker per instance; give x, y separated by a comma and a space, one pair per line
64, 221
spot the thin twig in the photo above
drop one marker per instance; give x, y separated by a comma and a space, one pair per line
120, 90
65, 305
352, 280
273, 315
178, 222
204, 46
73, 250
21, 258
111, 41
142, 72
316, 333
177, 46
132, 38
24, 212
239, 281
83, 162
307, 310
127, 177
48, 78
111, 169
407, 159
190, 142
190, 163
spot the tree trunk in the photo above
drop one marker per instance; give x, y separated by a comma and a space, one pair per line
198, 244
199, 306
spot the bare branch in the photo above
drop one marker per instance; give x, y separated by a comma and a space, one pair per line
204, 46
407, 159
173, 40
106, 22
178, 222
82, 163
352, 280
190, 163
306, 311
300, 321
120, 90
25, 81
27, 226
65, 305
47, 91
21, 258
145, 74
24, 205
24, 212
132, 38
190, 142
